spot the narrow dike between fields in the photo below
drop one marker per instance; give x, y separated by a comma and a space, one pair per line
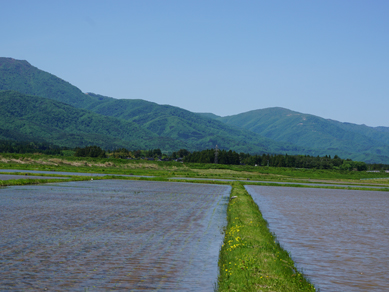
251, 259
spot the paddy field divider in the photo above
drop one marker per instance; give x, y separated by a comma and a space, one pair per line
251, 259
32, 181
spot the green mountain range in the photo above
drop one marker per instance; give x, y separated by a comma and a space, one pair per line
37, 105
179, 124
157, 126
32, 118
358, 142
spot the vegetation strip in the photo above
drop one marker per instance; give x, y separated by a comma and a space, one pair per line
210, 181
21, 173
356, 188
29, 181
251, 259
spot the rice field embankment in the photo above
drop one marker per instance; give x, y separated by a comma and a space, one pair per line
251, 258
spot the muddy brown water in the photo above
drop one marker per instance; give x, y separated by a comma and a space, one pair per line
111, 235
339, 238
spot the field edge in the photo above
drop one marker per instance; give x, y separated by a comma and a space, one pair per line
251, 258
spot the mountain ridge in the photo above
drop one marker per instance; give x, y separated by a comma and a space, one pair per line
42, 119
281, 124
167, 122
272, 130
177, 123
23, 77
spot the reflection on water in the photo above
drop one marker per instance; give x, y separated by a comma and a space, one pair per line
340, 238
111, 235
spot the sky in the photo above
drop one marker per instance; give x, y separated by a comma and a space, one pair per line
326, 58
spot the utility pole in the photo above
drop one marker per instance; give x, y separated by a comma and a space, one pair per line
216, 154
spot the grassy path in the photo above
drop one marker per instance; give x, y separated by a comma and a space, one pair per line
32, 181
251, 258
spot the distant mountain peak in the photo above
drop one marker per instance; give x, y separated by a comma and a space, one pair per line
5, 60
21, 76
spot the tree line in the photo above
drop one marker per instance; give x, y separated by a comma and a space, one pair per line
90, 151
7, 146
304, 161
275, 160
121, 153
208, 156
204, 156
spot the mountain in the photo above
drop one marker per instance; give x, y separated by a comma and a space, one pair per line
183, 125
209, 115
25, 117
358, 142
169, 123
19, 75
74, 118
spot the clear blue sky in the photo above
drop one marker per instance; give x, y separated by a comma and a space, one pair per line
328, 58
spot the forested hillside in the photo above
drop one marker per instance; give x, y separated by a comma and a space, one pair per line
91, 119
180, 124
358, 142
169, 123
32, 118
21, 76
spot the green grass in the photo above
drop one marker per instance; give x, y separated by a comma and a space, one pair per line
291, 173
188, 170
91, 165
251, 259
32, 181
356, 187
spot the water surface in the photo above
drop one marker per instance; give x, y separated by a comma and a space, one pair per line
111, 235
340, 238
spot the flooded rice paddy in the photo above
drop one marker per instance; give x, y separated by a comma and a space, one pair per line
111, 235
340, 238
